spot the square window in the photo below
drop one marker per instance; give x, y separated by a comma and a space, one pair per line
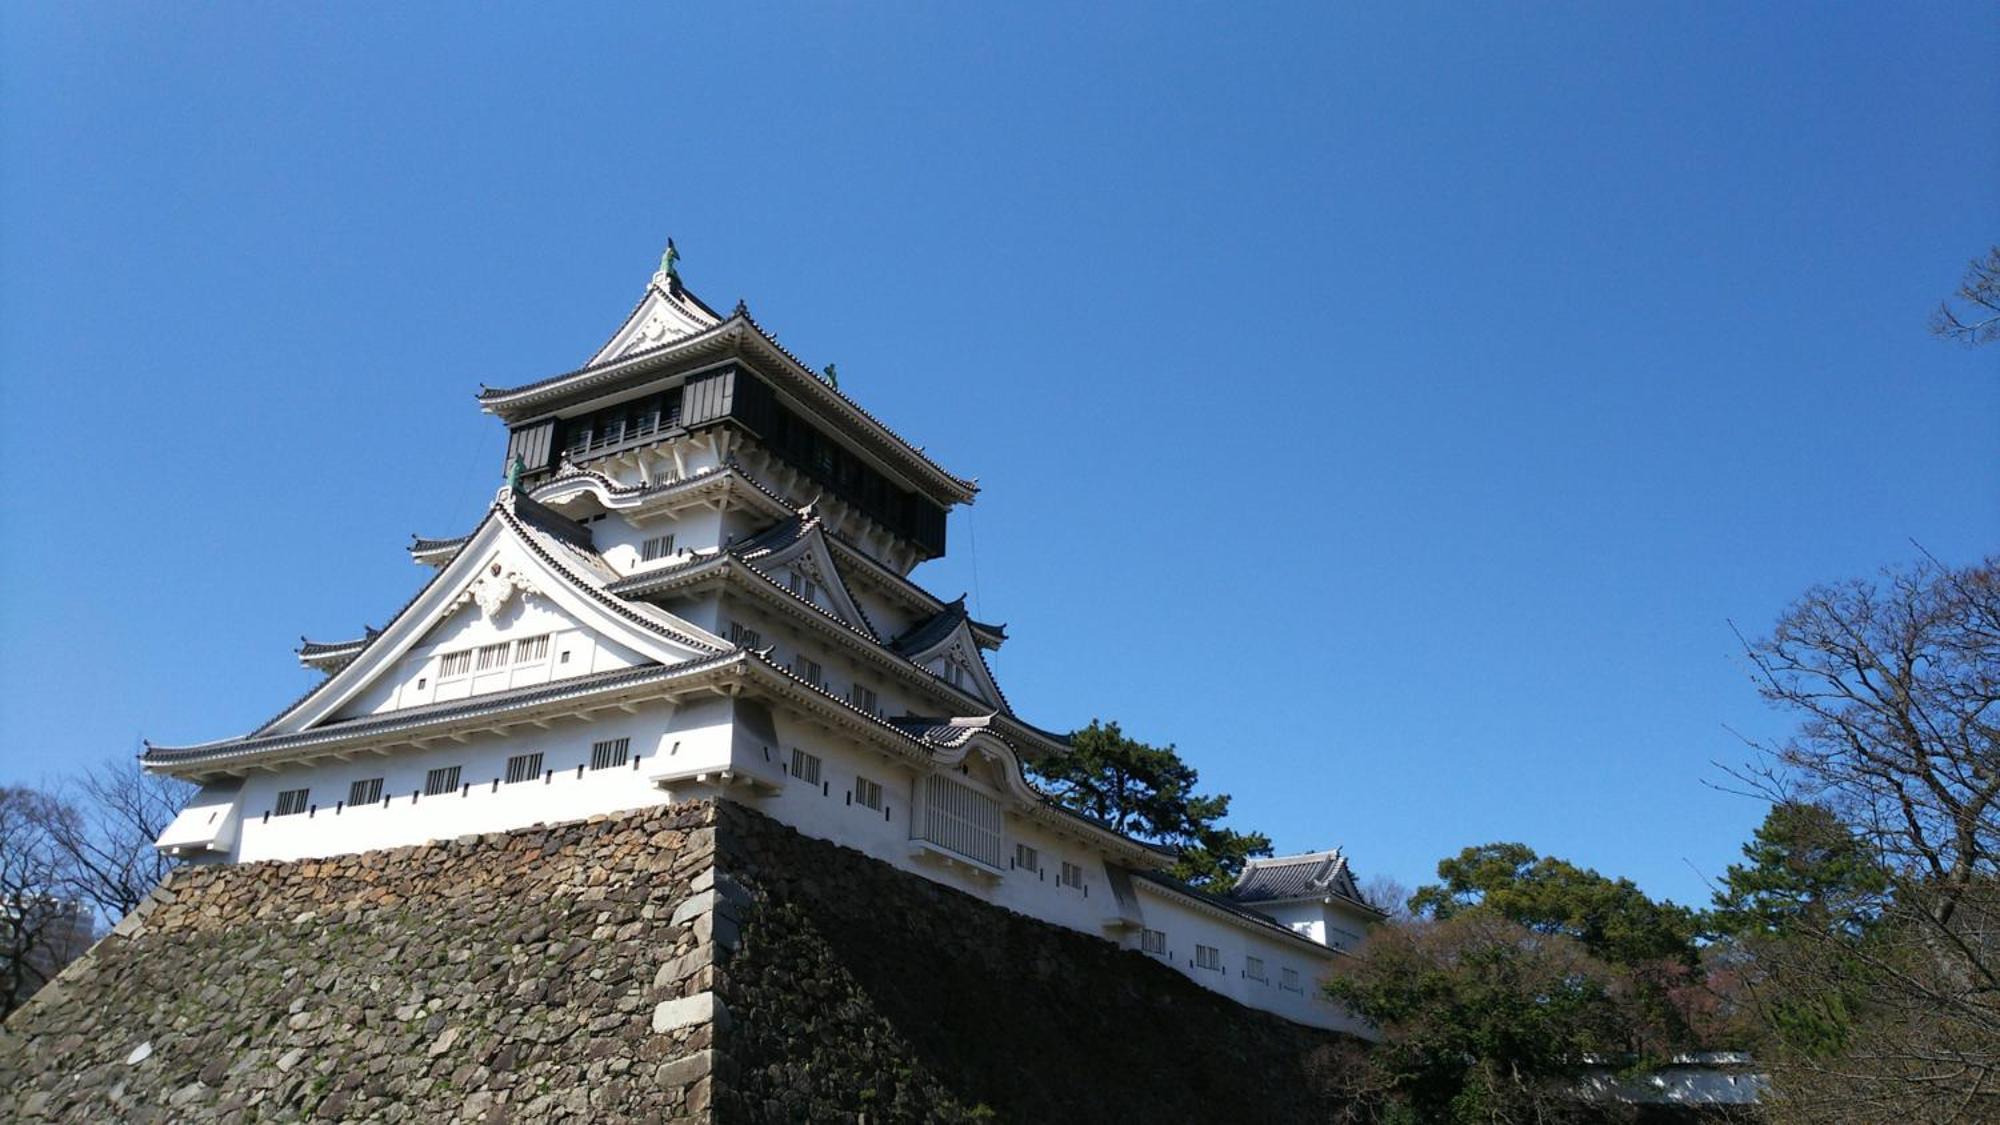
291, 802
805, 766
868, 794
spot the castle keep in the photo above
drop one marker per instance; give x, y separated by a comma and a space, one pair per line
696, 585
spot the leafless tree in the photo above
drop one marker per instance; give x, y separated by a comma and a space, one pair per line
111, 814
1388, 893
41, 927
1976, 319
1896, 683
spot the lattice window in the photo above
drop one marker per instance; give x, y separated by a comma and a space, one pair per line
1288, 978
291, 802
442, 780
868, 794
1253, 967
609, 753
532, 649
1027, 858
805, 766
807, 670
524, 767
1207, 957
1072, 875
656, 548
864, 698
745, 638
367, 791
493, 656
962, 819
454, 664
1154, 942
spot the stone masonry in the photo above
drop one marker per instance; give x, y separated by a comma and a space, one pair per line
695, 962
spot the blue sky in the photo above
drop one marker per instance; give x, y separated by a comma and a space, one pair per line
1392, 408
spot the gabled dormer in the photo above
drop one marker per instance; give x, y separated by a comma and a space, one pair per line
947, 646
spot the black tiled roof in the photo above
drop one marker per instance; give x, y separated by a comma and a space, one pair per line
421, 546
1312, 875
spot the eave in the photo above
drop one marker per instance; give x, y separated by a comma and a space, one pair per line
727, 568
1223, 908
519, 706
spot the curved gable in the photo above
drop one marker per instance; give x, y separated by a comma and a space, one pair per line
498, 565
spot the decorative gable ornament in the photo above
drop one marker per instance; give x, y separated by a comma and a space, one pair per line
492, 591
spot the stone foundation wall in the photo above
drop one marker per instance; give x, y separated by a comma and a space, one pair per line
695, 962
863, 992
540, 975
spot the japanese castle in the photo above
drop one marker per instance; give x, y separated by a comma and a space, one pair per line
694, 584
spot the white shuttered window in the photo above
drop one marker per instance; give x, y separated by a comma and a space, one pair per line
962, 819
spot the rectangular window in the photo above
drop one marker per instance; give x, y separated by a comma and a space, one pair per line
610, 753
805, 766
745, 638
807, 670
1027, 858
532, 649
454, 664
292, 801
367, 791
656, 548
441, 780
1253, 967
962, 819
864, 698
868, 794
1154, 942
493, 656
1288, 978
523, 767
1072, 875
1207, 957
1342, 939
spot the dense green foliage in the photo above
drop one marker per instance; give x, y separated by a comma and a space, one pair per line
1148, 792
1612, 918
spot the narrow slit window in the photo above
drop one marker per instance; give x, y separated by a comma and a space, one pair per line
442, 780
523, 767
805, 766
292, 801
868, 794
367, 791
610, 753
